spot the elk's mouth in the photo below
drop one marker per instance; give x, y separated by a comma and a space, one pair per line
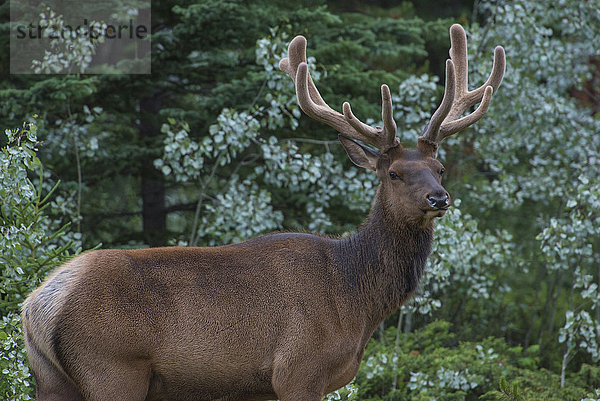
435, 212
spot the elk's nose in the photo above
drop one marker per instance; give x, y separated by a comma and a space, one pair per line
439, 201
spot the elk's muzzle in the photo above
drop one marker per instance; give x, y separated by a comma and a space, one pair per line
438, 201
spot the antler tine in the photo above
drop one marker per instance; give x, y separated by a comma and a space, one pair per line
433, 127
496, 76
314, 106
387, 115
463, 98
453, 126
384, 138
290, 64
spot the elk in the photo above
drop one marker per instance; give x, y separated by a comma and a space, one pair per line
283, 316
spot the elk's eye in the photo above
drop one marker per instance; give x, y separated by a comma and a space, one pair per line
442, 171
394, 176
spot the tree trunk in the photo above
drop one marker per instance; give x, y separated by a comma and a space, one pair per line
154, 216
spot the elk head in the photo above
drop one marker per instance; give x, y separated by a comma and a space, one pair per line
411, 188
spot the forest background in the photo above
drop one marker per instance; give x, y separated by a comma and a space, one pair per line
211, 148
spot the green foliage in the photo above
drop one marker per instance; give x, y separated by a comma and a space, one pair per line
31, 246
544, 153
16, 381
595, 396
346, 393
506, 391
430, 364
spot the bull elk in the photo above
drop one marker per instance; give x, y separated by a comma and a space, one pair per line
283, 316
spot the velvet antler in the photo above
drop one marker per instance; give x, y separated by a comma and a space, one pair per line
314, 106
447, 118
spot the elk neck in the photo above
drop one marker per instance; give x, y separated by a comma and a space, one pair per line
383, 262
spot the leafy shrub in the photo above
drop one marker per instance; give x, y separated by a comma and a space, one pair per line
31, 246
430, 364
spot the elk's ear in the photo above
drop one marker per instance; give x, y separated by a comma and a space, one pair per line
427, 147
361, 155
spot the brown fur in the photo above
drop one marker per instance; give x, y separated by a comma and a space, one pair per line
281, 316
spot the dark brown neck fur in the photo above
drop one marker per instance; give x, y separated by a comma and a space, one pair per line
383, 262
